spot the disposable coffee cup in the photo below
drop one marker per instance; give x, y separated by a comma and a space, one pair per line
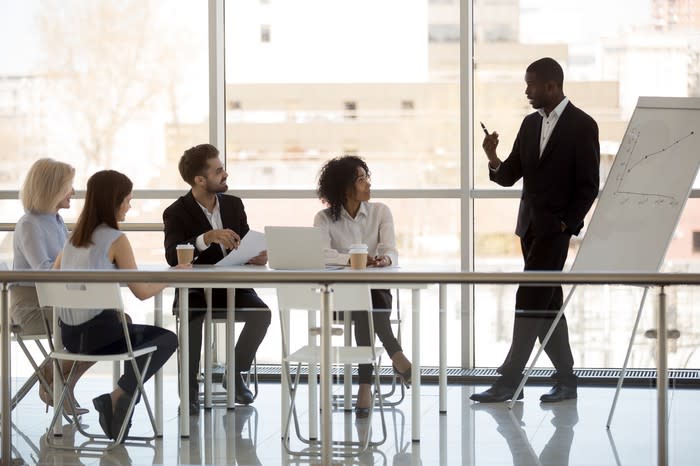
185, 253
358, 256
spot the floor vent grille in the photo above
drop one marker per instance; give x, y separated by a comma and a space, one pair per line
486, 375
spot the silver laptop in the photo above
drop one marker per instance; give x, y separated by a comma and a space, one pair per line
294, 248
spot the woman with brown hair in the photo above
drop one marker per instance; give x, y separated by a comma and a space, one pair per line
97, 243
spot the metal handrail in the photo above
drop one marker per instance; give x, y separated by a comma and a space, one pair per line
369, 276
130, 226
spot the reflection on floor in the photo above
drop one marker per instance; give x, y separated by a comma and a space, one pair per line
568, 433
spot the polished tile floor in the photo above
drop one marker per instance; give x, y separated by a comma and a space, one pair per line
568, 433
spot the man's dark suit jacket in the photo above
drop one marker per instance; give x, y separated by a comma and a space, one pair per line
561, 185
184, 221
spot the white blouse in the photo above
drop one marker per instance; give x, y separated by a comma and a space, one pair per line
373, 225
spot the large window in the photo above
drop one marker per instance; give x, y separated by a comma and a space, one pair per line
125, 85
338, 77
103, 85
646, 48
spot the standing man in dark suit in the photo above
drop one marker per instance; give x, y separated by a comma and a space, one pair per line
557, 154
214, 223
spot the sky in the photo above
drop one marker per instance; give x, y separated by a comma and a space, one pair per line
18, 42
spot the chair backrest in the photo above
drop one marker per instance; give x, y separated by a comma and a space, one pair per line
80, 295
346, 297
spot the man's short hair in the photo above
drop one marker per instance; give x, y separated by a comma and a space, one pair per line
547, 69
194, 161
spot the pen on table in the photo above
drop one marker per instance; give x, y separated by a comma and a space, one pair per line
486, 132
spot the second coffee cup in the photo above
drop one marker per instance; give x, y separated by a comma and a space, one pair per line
358, 256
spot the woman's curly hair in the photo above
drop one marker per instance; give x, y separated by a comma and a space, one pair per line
335, 178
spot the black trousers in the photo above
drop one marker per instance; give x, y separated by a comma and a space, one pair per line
103, 334
381, 305
249, 309
535, 309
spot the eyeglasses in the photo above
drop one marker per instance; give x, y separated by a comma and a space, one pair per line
363, 179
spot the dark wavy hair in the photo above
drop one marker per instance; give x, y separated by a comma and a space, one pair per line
334, 180
106, 190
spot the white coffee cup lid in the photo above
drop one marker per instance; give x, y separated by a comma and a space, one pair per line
358, 248
184, 246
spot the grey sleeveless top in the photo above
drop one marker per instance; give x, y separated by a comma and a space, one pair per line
95, 256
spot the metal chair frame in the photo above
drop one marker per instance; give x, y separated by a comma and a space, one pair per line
91, 296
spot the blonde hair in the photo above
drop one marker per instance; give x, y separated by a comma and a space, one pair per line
47, 182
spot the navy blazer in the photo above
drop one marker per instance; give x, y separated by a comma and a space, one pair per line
561, 185
184, 221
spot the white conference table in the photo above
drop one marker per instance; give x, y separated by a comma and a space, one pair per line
325, 369
324, 279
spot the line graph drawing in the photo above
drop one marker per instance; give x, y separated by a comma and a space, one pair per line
647, 188
644, 160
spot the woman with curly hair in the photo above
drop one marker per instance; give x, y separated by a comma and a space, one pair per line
344, 185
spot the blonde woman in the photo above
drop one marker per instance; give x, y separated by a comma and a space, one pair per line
39, 237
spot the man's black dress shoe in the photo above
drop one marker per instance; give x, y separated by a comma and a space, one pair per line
559, 392
119, 415
497, 393
243, 394
194, 408
103, 405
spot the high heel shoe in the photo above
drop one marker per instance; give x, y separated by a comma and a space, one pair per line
361, 413
405, 376
47, 398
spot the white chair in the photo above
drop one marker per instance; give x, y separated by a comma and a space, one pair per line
347, 397
210, 347
38, 367
345, 298
94, 296
209, 342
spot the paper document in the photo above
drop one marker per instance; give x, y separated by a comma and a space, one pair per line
333, 257
252, 244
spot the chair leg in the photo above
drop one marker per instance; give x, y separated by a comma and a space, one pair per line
141, 389
37, 376
50, 437
293, 384
101, 438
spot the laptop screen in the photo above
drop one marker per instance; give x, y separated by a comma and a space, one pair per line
294, 248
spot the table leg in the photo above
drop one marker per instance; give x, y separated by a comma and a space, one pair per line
6, 374
313, 384
158, 378
208, 359
415, 366
284, 384
326, 402
184, 303
230, 347
661, 382
442, 341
